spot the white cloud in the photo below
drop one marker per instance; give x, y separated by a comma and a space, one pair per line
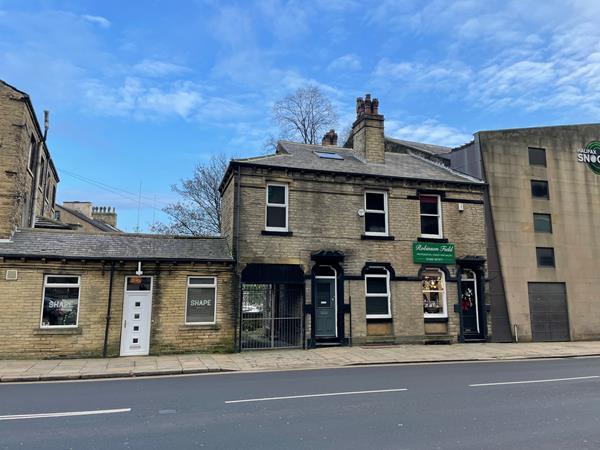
156, 68
428, 131
345, 63
97, 20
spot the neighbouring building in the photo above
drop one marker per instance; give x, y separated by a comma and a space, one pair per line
379, 241
85, 217
542, 217
28, 178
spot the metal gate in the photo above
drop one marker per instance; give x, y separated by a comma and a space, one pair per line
548, 310
272, 316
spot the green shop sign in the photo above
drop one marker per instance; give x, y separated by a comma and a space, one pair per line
428, 252
590, 155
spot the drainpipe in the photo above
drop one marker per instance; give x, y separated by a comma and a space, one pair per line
110, 286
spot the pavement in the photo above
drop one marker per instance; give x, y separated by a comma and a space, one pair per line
269, 360
526, 404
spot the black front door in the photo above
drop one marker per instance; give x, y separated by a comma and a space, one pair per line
473, 326
325, 307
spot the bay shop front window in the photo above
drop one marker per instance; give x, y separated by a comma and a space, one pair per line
434, 294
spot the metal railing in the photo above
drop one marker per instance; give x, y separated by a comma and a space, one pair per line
271, 316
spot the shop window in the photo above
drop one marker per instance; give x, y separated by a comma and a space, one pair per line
377, 293
542, 223
60, 306
537, 156
200, 306
431, 216
545, 256
376, 220
434, 294
276, 216
539, 189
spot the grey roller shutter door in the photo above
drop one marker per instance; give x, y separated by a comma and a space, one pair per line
548, 311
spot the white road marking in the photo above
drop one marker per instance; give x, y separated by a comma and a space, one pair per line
534, 381
64, 414
330, 394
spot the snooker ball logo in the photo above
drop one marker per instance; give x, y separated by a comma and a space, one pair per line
590, 155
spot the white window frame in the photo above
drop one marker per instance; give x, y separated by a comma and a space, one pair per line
444, 313
61, 285
438, 215
277, 205
469, 275
201, 286
389, 294
31, 155
377, 211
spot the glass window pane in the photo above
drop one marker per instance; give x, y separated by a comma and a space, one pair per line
433, 303
429, 204
542, 223
376, 285
545, 256
432, 281
377, 305
375, 222
537, 156
276, 217
60, 306
200, 305
277, 194
375, 201
197, 280
430, 225
539, 189
62, 280
139, 283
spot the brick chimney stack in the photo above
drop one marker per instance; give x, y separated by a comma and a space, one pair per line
330, 138
106, 214
367, 130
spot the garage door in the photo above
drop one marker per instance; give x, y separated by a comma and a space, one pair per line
548, 310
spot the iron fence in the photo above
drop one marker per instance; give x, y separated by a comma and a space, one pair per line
272, 316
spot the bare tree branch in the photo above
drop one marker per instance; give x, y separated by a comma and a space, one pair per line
304, 116
198, 213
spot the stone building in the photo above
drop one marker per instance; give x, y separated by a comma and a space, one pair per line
542, 218
85, 217
379, 241
28, 178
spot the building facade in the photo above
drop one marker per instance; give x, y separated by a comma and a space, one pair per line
542, 223
371, 243
28, 178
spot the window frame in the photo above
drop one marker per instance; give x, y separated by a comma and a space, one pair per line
537, 258
444, 313
388, 293
201, 286
549, 216
277, 205
31, 158
534, 197
59, 285
385, 212
529, 153
438, 215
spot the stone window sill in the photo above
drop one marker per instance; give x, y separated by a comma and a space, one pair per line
215, 326
46, 331
436, 319
427, 239
276, 233
368, 237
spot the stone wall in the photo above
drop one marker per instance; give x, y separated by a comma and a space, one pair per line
21, 302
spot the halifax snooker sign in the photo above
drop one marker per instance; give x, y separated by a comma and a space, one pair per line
590, 155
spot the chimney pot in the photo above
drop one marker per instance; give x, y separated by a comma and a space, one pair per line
330, 138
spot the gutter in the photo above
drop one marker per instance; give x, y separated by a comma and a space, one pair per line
111, 258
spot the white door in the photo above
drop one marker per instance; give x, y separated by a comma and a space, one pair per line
137, 311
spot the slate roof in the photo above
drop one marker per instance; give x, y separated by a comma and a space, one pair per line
102, 226
409, 165
49, 244
45, 222
429, 148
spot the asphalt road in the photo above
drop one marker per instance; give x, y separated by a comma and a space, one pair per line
418, 406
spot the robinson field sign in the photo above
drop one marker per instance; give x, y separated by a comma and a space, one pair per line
428, 252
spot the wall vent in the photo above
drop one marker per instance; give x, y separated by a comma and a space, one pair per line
11, 275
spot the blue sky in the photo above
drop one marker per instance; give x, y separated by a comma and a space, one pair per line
139, 92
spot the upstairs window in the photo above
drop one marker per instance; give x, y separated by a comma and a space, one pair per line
42, 173
276, 215
31, 162
434, 294
542, 223
377, 293
545, 256
431, 216
539, 189
376, 220
537, 156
